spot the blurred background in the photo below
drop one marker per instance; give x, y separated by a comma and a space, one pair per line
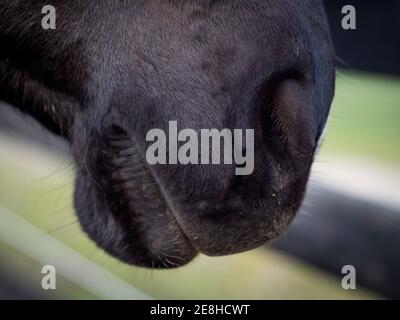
351, 215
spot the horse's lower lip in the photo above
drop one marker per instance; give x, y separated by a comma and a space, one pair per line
144, 208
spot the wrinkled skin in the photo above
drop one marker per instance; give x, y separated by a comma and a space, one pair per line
113, 70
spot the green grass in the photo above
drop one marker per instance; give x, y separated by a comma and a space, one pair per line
365, 118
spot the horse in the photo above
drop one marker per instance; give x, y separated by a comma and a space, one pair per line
111, 71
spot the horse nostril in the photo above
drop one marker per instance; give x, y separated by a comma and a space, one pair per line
286, 106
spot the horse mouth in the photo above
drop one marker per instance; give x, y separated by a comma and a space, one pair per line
128, 213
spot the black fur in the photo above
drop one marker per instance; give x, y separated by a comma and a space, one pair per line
113, 70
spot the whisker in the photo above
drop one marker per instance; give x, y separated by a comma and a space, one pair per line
47, 233
87, 169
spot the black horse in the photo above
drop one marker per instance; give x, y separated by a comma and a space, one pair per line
113, 70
